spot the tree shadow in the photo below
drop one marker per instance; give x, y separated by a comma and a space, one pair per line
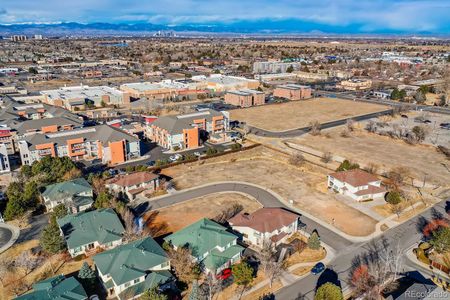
447, 207
329, 275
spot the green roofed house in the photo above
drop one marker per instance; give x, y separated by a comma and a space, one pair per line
84, 232
76, 194
56, 288
211, 245
130, 269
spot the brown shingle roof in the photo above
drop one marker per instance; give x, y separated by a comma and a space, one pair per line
133, 179
371, 190
265, 219
355, 177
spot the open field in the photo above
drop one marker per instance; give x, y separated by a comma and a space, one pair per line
181, 215
421, 161
306, 185
295, 114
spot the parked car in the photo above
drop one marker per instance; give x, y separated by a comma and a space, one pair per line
175, 157
150, 163
225, 274
404, 116
318, 268
197, 154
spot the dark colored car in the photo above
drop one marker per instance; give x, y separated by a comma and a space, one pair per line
225, 274
318, 268
404, 116
150, 163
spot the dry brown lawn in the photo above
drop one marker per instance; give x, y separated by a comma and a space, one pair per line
307, 255
295, 114
300, 271
270, 169
181, 215
386, 153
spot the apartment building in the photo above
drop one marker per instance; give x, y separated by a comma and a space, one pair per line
4, 159
309, 76
245, 98
274, 66
293, 92
110, 145
19, 120
77, 97
355, 84
187, 131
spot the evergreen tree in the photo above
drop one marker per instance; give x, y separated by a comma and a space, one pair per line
153, 294
329, 291
51, 240
314, 241
86, 276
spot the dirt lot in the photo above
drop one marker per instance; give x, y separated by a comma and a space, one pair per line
184, 214
297, 114
386, 153
306, 186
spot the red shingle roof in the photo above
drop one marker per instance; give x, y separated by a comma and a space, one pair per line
355, 177
266, 219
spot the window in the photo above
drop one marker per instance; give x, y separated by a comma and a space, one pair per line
127, 284
137, 280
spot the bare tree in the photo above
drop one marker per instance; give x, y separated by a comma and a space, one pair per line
327, 157
297, 159
27, 261
266, 255
350, 124
183, 264
274, 270
315, 128
211, 286
371, 126
228, 212
6, 267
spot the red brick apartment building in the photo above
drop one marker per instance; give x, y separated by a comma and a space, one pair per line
245, 98
293, 92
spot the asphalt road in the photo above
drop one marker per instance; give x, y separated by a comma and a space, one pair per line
264, 197
403, 236
5, 236
303, 130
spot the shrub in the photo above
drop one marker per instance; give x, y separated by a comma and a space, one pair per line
297, 159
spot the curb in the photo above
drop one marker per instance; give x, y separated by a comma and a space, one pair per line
15, 235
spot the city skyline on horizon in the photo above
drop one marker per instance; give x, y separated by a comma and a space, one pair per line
347, 16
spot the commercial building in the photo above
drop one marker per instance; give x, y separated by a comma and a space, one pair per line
77, 97
293, 92
129, 270
76, 194
187, 131
268, 224
357, 184
310, 76
245, 98
18, 38
87, 232
211, 245
165, 89
355, 84
109, 144
223, 83
275, 67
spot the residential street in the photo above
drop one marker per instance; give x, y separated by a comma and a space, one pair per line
404, 235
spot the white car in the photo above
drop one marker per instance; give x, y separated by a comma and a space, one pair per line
197, 154
175, 157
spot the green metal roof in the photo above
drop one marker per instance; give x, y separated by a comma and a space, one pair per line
130, 261
201, 237
217, 259
66, 189
100, 225
153, 279
56, 288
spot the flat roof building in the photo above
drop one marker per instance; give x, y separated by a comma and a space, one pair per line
245, 98
293, 92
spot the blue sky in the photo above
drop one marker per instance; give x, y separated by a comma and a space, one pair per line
343, 15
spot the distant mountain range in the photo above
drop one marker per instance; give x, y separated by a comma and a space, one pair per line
260, 27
